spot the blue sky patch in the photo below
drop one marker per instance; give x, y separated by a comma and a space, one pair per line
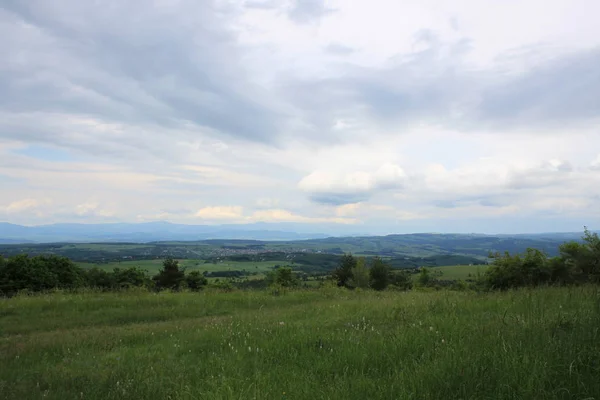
45, 153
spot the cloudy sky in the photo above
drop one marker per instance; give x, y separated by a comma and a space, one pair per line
374, 116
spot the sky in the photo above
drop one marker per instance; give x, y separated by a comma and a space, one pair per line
372, 116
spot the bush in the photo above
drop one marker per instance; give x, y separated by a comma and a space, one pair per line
99, 278
39, 273
282, 276
582, 260
509, 271
402, 280
130, 277
195, 281
224, 285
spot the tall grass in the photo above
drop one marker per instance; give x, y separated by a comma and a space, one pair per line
322, 344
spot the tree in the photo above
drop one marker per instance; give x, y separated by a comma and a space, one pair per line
425, 278
530, 269
195, 280
343, 273
380, 273
402, 280
170, 276
581, 260
124, 278
282, 276
360, 275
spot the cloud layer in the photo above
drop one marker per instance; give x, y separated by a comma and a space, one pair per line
319, 112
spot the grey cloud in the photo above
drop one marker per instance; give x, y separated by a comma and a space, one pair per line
263, 4
339, 199
437, 86
305, 11
97, 61
424, 86
547, 174
339, 49
485, 200
561, 90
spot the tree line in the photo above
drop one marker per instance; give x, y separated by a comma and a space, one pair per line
577, 263
47, 272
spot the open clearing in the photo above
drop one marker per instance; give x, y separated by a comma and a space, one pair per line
313, 344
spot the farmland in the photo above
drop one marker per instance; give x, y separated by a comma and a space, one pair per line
325, 344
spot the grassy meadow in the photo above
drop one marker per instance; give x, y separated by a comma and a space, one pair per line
312, 344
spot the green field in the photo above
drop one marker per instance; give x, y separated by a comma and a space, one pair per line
320, 344
153, 266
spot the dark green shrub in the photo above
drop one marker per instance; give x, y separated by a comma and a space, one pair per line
529, 269
170, 276
402, 280
195, 281
343, 273
130, 277
99, 278
282, 276
380, 274
39, 273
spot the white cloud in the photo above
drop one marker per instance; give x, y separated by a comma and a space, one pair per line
347, 209
596, 163
220, 213
23, 205
279, 215
341, 187
92, 209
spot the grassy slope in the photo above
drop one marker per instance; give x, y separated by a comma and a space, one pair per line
328, 344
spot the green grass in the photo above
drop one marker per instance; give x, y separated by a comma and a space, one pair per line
322, 344
460, 272
153, 266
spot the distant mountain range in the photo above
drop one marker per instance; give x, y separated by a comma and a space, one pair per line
144, 232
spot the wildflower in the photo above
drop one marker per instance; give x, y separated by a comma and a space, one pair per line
431, 328
282, 323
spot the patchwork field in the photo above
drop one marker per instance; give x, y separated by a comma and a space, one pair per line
313, 344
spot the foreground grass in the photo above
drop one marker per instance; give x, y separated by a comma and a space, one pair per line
326, 344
